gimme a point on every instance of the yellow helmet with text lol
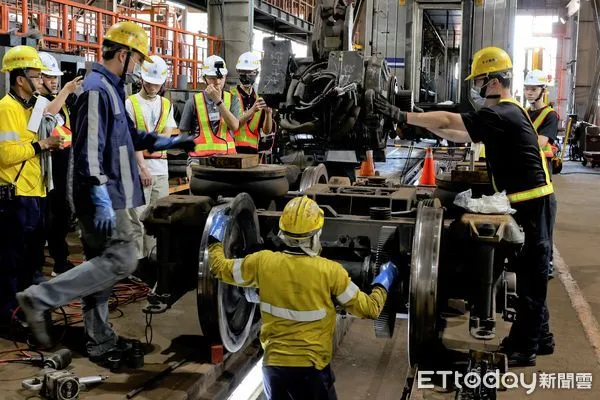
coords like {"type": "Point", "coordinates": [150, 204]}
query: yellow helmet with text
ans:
{"type": "Point", "coordinates": [490, 60]}
{"type": "Point", "coordinates": [301, 218]}
{"type": "Point", "coordinates": [22, 57]}
{"type": "Point", "coordinates": [130, 35]}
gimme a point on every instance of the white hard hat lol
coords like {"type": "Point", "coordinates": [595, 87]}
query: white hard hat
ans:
{"type": "Point", "coordinates": [50, 62]}
{"type": "Point", "coordinates": [211, 64]}
{"type": "Point", "coordinates": [155, 72]}
{"type": "Point", "coordinates": [536, 78]}
{"type": "Point", "coordinates": [248, 62]}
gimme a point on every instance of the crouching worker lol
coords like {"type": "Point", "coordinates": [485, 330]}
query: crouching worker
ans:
{"type": "Point", "coordinates": [297, 292]}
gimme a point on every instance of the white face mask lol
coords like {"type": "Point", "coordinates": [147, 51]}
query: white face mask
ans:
{"type": "Point", "coordinates": [476, 98]}
{"type": "Point", "coordinates": [311, 246]}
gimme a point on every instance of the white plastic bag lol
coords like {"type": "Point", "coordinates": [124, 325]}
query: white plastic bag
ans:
{"type": "Point", "coordinates": [496, 204]}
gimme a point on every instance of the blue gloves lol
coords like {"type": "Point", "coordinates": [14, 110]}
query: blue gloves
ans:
{"type": "Point", "coordinates": [105, 219]}
{"type": "Point", "coordinates": [387, 276]}
{"type": "Point", "coordinates": [219, 224]}
{"type": "Point", "coordinates": [183, 142]}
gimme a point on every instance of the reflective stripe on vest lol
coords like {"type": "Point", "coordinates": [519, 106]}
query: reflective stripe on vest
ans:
{"type": "Point", "coordinates": [537, 192]}
{"type": "Point", "coordinates": [141, 125]}
{"type": "Point", "coordinates": [207, 142]}
{"type": "Point", "coordinates": [248, 133]}
{"type": "Point", "coordinates": [547, 148]}
{"type": "Point", "coordinates": [293, 315]}
{"type": "Point", "coordinates": [64, 130]}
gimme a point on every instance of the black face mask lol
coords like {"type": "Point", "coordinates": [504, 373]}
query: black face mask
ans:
{"type": "Point", "coordinates": [247, 80]}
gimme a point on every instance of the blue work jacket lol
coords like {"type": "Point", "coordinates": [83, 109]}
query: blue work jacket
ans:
{"type": "Point", "coordinates": [104, 143]}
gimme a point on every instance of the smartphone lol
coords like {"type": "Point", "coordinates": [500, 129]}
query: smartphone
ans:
{"type": "Point", "coordinates": [81, 72]}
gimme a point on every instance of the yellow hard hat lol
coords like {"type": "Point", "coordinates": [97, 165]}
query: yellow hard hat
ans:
{"type": "Point", "coordinates": [131, 35]}
{"type": "Point", "coordinates": [22, 57]}
{"type": "Point", "coordinates": [489, 60]}
{"type": "Point", "coordinates": [302, 218]}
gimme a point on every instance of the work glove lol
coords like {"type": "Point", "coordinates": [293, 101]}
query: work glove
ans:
{"type": "Point", "coordinates": [383, 107]}
{"type": "Point", "coordinates": [387, 275]}
{"type": "Point", "coordinates": [105, 219]}
{"type": "Point", "coordinates": [218, 226]}
{"type": "Point", "coordinates": [183, 142]}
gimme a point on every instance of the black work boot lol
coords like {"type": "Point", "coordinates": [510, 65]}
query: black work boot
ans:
{"type": "Point", "coordinates": [521, 359]}
{"type": "Point", "coordinates": [114, 358]}
{"type": "Point", "coordinates": [545, 345]}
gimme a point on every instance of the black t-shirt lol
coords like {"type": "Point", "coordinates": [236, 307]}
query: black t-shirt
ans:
{"type": "Point", "coordinates": [549, 127]}
{"type": "Point", "coordinates": [511, 146]}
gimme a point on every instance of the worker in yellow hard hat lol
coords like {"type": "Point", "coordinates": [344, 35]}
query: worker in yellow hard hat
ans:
{"type": "Point", "coordinates": [106, 184]}
{"type": "Point", "coordinates": [22, 187]}
{"type": "Point", "coordinates": [516, 165]}
{"type": "Point", "coordinates": [297, 293]}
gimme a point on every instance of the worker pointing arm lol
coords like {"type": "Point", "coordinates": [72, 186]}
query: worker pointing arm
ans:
{"type": "Point", "coordinates": [297, 288]}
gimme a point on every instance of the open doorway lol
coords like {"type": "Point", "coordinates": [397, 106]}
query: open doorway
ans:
{"type": "Point", "coordinates": [438, 32]}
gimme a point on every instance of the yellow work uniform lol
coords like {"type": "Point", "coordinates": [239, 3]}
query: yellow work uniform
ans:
{"type": "Point", "coordinates": [16, 147]}
{"type": "Point", "coordinates": [297, 308]}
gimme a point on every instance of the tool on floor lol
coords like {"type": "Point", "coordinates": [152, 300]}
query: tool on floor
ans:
{"type": "Point", "coordinates": [53, 382]}
{"type": "Point", "coordinates": [155, 379]}
{"type": "Point", "coordinates": [60, 385]}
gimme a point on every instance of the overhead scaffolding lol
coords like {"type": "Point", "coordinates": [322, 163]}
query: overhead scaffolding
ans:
{"type": "Point", "coordinates": [71, 27]}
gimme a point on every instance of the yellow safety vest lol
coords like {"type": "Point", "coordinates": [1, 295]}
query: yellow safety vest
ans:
{"type": "Point", "coordinates": [537, 192]}
{"type": "Point", "coordinates": [547, 148]}
{"type": "Point", "coordinates": [207, 142]}
{"type": "Point", "coordinates": [64, 130]}
{"type": "Point", "coordinates": [141, 125]}
{"type": "Point", "coordinates": [247, 135]}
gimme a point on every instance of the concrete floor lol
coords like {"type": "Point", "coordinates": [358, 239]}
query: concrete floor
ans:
{"type": "Point", "coordinates": [366, 367]}
{"type": "Point", "coordinates": [370, 368]}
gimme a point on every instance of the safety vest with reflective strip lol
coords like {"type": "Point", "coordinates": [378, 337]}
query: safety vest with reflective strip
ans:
{"type": "Point", "coordinates": [64, 130]}
{"type": "Point", "coordinates": [207, 142]}
{"type": "Point", "coordinates": [247, 135]}
{"type": "Point", "coordinates": [141, 125]}
{"type": "Point", "coordinates": [547, 148]}
{"type": "Point", "coordinates": [537, 192]}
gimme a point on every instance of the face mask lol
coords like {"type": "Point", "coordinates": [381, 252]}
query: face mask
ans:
{"type": "Point", "coordinates": [311, 247]}
{"type": "Point", "coordinates": [247, 80]}
{"type": "Point", "coordinates": [476, 98]}
{"type": "Point", "coordinates": [131, 79]}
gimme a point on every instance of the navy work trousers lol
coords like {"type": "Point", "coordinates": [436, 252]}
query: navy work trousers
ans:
{"type": "Point", "coordinates": [298, 383]}
{"type": "Point", "coordinates": [532, 323]}
{"type": "Point", "coordinates": [21, 248]}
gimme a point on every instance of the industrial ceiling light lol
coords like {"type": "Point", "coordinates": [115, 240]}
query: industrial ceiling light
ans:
{"type": "Point", "coordinates": [572, 7]}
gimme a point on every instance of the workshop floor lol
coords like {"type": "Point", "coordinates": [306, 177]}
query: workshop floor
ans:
{"type": "Point", "coordinates": [366, 367]}
{"type": "Point", "coordinates": [370, 368]}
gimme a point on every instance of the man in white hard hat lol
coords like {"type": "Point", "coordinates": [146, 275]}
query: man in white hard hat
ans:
{"type": "Point", "coordinates": [544, 118]}
{"type": "Point", "coordinates": [151, 113]}
{"type": "Point", "coordinates": [212, 114]}
{"type": "Point", "coordinates": [256, 115]}
{"type": "Point", "coordinates": [58, 214]}
{"type": "Point", "coordinates": [545, 121]}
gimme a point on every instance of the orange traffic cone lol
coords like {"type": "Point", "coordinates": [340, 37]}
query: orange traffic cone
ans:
{"type": "Point", "coordinates": [367, 168]}
{"type": "Point", "coordinates": [428, 173]}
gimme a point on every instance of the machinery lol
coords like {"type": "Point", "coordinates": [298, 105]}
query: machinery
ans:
{"type": "Point", "coordinates": [325, 102]}
{"type": "Point", "coordinates": [442, 252]}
